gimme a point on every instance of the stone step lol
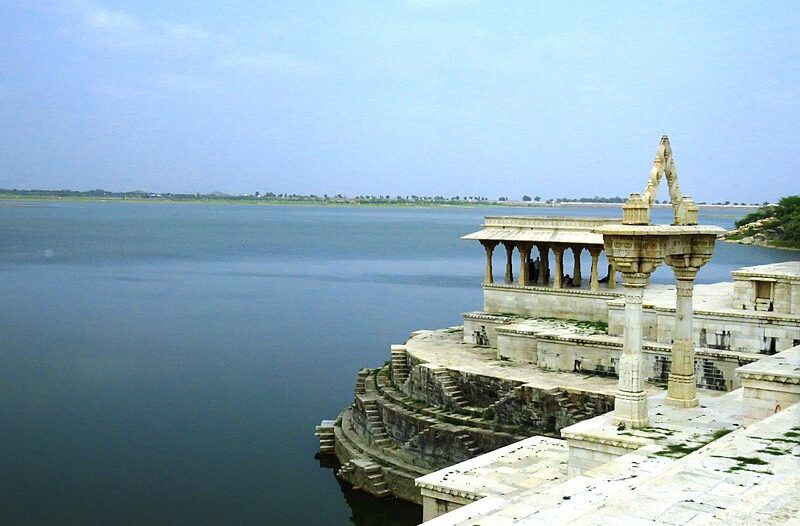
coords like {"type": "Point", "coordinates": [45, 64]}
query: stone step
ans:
{"type": "Point", "coordinates": [429, 415]}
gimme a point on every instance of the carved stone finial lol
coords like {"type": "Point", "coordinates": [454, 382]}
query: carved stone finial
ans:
{"type": "Point", "coordinates": [691, 212]}
{"type": "Point", "coordinates": [636, 211]}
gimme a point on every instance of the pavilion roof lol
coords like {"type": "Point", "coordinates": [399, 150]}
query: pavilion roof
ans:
{"type": "Point", "coordinates": [561, 230]}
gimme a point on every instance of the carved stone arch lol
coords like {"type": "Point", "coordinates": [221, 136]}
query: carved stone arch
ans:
{"type": "Point", "coordinates": [684, 209]}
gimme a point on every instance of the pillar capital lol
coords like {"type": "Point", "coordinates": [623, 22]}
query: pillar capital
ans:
{"type": "Point", "coordinates": [685, 266]}
{"type": "Point", "coordinates": [524, 246]}
{"type": "Point", "coordinates": [635, 280]}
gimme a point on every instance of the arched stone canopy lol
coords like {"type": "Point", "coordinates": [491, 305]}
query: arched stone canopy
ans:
{"type": "Point", "coordinates": [636, 248]}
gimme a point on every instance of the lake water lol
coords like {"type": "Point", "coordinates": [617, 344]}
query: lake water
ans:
{"type": "Point", "coordinates": [167, 363]}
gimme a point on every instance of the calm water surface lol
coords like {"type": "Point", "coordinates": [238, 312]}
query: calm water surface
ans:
{"type": "Point", "coordinates": [167, 363]}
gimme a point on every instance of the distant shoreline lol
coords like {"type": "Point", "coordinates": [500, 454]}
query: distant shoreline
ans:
{"type": "Point", "coordinates": [5, 198]}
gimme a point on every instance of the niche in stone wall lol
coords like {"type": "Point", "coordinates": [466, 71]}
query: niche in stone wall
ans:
{"type": "Point", "coordinates": [770, 345]}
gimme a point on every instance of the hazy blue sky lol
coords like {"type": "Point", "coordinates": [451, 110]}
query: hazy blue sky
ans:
{"type": "Point", "coordinates": [408, 97]}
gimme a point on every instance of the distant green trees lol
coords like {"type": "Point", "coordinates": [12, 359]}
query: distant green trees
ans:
{"type": "Point", "coordinates": [781, 220]}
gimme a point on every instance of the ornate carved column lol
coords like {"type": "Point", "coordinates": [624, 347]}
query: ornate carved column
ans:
{"type": "Point", "coordinates": [524, 255]}
{"type": "Point", "coordinates": [489, 247]}
{"type": "Point", "coordinates": [594, 282]}
{"type": "Point", "coordinates": [544, 264]}
{"type": "Point", "coordinates": [682, 383]}
{"type": "Point", "coordinates": [636, 255]}
{"type": "Point", "coordinates": [558, 253]}
{"type": "Point", "coordinates": [630, 402]}
{"type": "Point", "coordinates": [576, 265]}
{"type": "Point", "coordinates": [509, 277]}
{"type": "Point", "coordinates": [686, 253]}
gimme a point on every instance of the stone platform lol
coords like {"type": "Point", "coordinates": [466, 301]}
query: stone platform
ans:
{"type": "Point", "coordinates": [712, 464]}
{"type": "Point", "coordinates": [440, 401]}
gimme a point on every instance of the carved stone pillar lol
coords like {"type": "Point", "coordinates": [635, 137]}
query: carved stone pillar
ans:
{"type": "Point", "coordinates": [489, 247]}
{"type": "Point", "coordinates": [636, 255]}
{"type": "Point", "coordinates": [594, 282]}
{"type": "Point", "coordinates": [558, 253]}
{"type": "Point", "coordinates": [682, 383]}
{"type": "Point", "coordinates": [685, 254]}
{"type": "Point", "coordinates": [509, 277]}
{"type": "Point", "coordinates": [544, 264]}
{"type": "Point", "coordinates": [577, 278]}
{"type": "Point", "coordinates": [524, 255]}
{"type": "Point", "coordinates": [630, 402]}
{"type": "Point", "coordinates": [612, 276]}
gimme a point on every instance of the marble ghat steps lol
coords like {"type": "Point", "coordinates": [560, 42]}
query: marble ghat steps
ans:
{"type": "Point", "coordinates": [390, 394]}
{"type": "Point", "coordinates": [576, 413]}
{"type": "Point", "coordinates": [375, 425]}
{"type": "Point", "coordinates": [399, 364]}
{"type": "Point", "coordinates": [374, 481]}
{"type": "Point", "coordinates": [327, 438]}
{"type": "Point", "coordinates": [380, 393]}
{"type": "Point", "coordinates": [362, 458]}
{"type": "Point", "coordinates": [450, 387]}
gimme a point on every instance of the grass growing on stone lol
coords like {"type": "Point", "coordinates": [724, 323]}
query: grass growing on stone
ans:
{"type": "Point", "coordinates": [772, 450]}
{"type": "Point", "coordinates": [650, 432]}
{"type": "Point", "coordinates": [719, 433]}
{"type": "Point", "coordinates": [748, 461]}
{"type": "Point", "coordinates": [745, 463]}
{"type": "Point", "coordinates": [594, 326]}
{"type": "Point", "coordinates": [678, 450]}
{"type": "Point", "coordinates": [681, 450]}
{"type": "Point", "coordinates": [737, 467]}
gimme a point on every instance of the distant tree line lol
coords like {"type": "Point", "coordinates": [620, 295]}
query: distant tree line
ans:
{"type": "Point", "coordinates": [313, 198]}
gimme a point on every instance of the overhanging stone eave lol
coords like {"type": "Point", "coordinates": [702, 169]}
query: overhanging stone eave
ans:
{"type": "Point", "coordinates": [516, 235]}
{"type": "Point", "coordinates": [657, 230]}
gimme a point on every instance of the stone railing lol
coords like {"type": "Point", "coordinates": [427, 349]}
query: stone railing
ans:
{"type": "Point", "coordinates": [548, 223]}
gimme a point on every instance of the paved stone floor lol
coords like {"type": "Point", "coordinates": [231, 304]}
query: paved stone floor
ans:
{"type": "Point", "coordinates": [709, 297]}
{"type": "Point", "coordinates": [446, 348]}
{"type": "Point", "coordinates": [748, 476]}
{"type": "Point", "coordinates": [534, 462]}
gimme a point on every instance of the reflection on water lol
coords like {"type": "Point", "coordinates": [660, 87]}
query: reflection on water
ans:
{"type": "Point", "coordinates": [369, 511]}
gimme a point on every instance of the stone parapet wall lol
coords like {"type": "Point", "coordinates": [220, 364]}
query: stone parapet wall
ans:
{"type": "Point", "coordinates": [574, 304]}
{"type": "Point", "coordinates": [480, 328]}
{"type": "Point", "coordinates": [745, 331]}
{"type": "Point", "coordinates": [714, 369]}
{"type": "Point", "coordinates": [771, 385]}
